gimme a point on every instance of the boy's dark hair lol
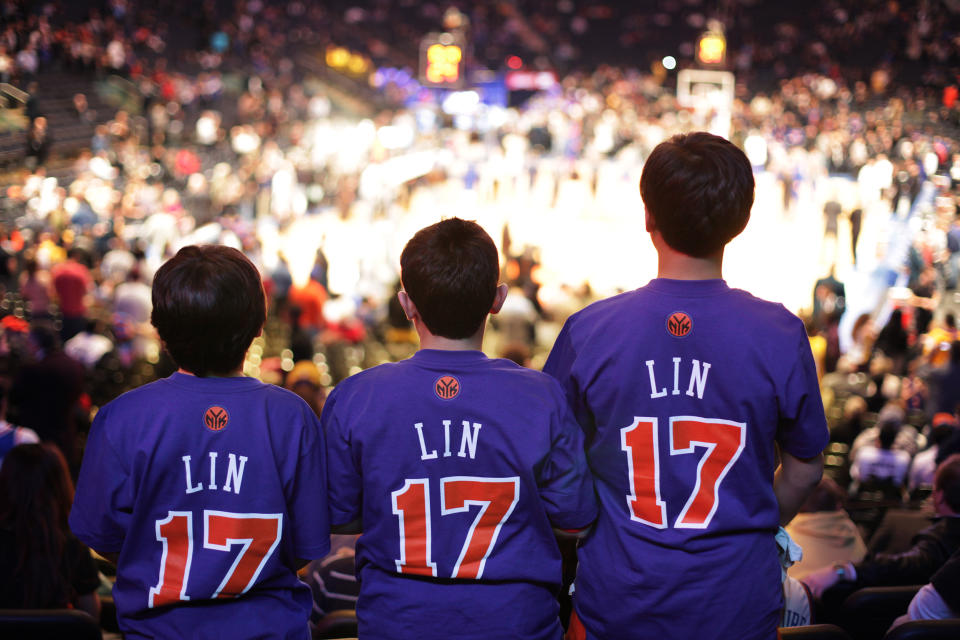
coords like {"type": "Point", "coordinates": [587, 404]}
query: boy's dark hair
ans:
{"type": "Point", "coordinates": [208, 306]}
{"type": "Point", "coordinates": [888, 434]}
{"type": "Point", "coordinates": [698, 188]}
{"type": "Point", "coordinates": [450, 270]}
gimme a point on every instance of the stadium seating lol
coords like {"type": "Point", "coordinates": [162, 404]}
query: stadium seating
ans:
{"type": "Point", "coordinates": [869, 612]}
{"type": "Point", "coordinates": [337, 624]}
{"type": "Point", "coordinates": [926, 630]}
{"type": "Point", "coordinates": [48, 624]}
{"type": "Point", "coordinates": [814, 632]}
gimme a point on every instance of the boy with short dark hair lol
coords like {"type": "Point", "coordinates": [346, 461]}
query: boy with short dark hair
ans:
{"type": "Point", "coordinates": [207, 488]}
{"type": "Point", "coordinates": [684, 389]}
{"type": "Point", "coordinates": [455, 465]}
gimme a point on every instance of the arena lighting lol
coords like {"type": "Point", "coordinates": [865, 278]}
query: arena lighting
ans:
{"type": "Point", "coordinates": [342, 59]}
{"type": "Point", "coordinates": [669, 63]}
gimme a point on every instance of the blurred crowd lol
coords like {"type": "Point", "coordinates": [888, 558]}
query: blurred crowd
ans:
{"type": "Point", "coordinates": [235, 140]}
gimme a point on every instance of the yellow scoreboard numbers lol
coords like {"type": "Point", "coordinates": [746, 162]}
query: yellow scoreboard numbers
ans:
{"type": "Point", "coordinates": [441, 61]}
{"type": "Point", "coordinates": [712, 48]}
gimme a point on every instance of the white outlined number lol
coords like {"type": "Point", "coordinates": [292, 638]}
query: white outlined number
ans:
{"type": "Point", "coordinates": [723, 440]}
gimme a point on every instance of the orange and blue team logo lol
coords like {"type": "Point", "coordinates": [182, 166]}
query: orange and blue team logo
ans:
{"type": "Point", "coordinates": [679, 324]}
{"type": "Point", "coordinates": [447, 387]}
{"type": "Point", "coordinates": [215, 418]}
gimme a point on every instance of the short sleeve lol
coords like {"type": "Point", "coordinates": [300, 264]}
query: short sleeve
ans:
{"type": "Point", "coordinates": [344, 480]}
{"type": "Point", "coordinates": [307, 493]}
{"type": "Point", "coordinates": [802, 430]}
{"type": "Point", "coordinates": [565, 483]}
{"type": "Point", "coordinates": [560, 366]}
{"type": "Point", "coordinates": [929, 604]}
{"type": "Point", "coordinates": [103, 502]}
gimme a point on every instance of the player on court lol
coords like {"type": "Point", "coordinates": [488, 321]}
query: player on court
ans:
{"type": "Point", "coordinates": [207, 488]}
{"type": "Point", "coordinates": [683, 388]}
{"type": "Point", "coordinates": [455, 465]}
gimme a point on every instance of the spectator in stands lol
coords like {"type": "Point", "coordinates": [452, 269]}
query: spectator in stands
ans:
{"type": "Point", "coordinates": [450, 272]}
{"type": "Point", "coordinates": [43, 564]}
{"type": "Point", "coordinates": [907, 439]}
{"type": "Point", "coordinates": [132, 298]}
{"type": "Point", "coordinates": [953, 248]}
{"type": "Point", "coordinates": [879, 462]}
{"type": "Point", "coordinates": [6, 65]}
{"type": "Point", "coordinates": [304, 380]}
{"type": "Point", "coordinates": [11, 435]}
{"type": "Point", "coordinates": [937, 341]}
{"type": "Point", "coordinates": [652, 555]}
{"type": "Point", "coordinates": [924, 464]}
{"type": "Point", "coordinates": [894, 342]}
{"type": "Point", "coordinates": [930, 550]}
{"type": "Point", "coordinates": [309, 298]}
{"type": "Point", "coordinates": [88, 346]}
{"type": "Point", "coordinates": [32, 105]}
{"type": "Point", "coordinates": [209, 306]}
{"type": "Point", "coordinates": [944, 384]}
{"type": "Point", "coordinates": [73, 284]}
{"type": "Point", "coordinates": [39, 142]}
{"type": "Point", "coordinates": [938, 599]}
{"type": "Point", "coordinates": [824, 531]}
{"type": "Point", "coordinates": [35, 287]}
{"type": "Point", "coordinates": [46, 393]}
{"type": "Point", "coordinates": [925, 299]}
{"type": "Point", "coordinates": [851, 423]}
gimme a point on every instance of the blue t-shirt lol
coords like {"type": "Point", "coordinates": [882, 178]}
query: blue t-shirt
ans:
{"type": "Point", "coordinates": [210, 489]}
{"type": "Point", "coordinates": [458, 466]}
{"type": "Point", "coordinates": [682, 388]}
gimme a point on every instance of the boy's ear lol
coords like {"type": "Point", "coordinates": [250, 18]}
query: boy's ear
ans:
{"type": "Point", "coordinates": [499, 298]}
{"type": "Point", "coordinates": [648, 219]}
{"type": "Point", "coordinates": [409, 309]}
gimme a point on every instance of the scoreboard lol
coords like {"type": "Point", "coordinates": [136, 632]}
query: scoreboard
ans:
{"type": "Point", "coordinates": [441, 61]}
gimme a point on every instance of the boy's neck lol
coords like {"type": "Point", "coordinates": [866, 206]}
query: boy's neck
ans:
{"type": "Point", "coordinates": [430, 341]}
{"type": "Point", "coordinates": [232, 374]}
{"type": "Point", "coordinates": [679, 266]}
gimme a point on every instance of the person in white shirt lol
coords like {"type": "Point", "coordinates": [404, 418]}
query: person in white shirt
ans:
{"type": "Point", "coordinates": [880, 461]}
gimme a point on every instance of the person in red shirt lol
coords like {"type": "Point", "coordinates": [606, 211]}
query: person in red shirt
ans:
{"type": "Point", "coordinates": [72, 283]}
{"type": "Point", "coordinates": [310, 299]}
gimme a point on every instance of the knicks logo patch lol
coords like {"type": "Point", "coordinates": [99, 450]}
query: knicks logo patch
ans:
{"type": "Point", "coordinates": [679, 324]}
{"type": "Point", "coordinates": [447, 387]}
{"type": "Point", "coordinates": [215, 418]}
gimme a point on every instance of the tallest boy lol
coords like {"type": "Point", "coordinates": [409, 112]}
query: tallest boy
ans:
{"type": "Point", "coordinates": [685, 389]}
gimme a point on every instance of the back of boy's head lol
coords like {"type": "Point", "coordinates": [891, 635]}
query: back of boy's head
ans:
{"type": "Point", "coordinates": [208, 306]}
{"type": "Point", "coordinates": [450, 270]}
{"type": "Point", "coordinates": [698, 188]}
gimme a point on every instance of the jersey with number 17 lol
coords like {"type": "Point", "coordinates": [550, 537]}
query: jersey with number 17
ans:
{"type": "Point", "coordinates": [458, 466]}
{"type": "Point", "coordinates": [211, 490]}
{"type": "Point", "coordinates": [683, 388]}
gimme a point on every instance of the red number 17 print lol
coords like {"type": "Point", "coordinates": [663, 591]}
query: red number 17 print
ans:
{"type": "Point", "coordinates": [494, 498]}
{"type": "Point", "coordinates": [255, 534]}
{"type": "Point", "coordinates": [723, 441]}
